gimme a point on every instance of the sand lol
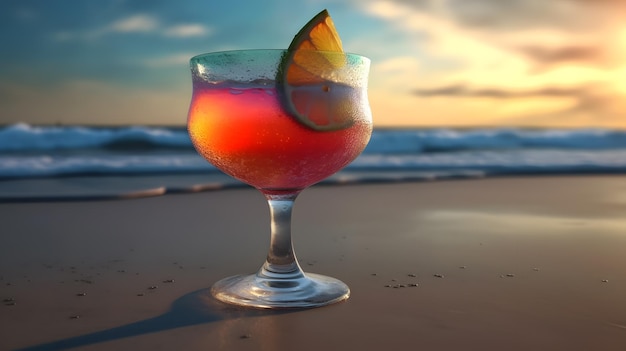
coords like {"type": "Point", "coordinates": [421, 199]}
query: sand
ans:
{"type": "Point", "coordinates": [501, 264]}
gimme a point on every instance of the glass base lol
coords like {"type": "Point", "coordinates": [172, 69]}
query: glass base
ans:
{"type": "Point", "coordinates": [302, 291]}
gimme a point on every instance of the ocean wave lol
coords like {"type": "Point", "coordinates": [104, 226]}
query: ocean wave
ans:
{"type": "Point", "coordinates": [487, 162]}
{"type": "Point", "coordinates": [447, 140]}
{"type": "Point", "coordinates": [501, 162]}
{"type": "Point", "coordinates": [24, 137]}
{"type": "Point", "coordinates": [115, 164]}
{"type": "Point", "coordinates": [36, 151]}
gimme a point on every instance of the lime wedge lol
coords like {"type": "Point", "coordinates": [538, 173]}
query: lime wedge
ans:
{"type": "Point", "coordinates": [308, 81]}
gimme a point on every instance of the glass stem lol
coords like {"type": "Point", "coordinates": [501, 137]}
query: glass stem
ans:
{"type": "Point", "coordinates": [281, 262]}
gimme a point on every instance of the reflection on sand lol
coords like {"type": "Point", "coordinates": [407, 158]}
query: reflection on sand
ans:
{"type": "Point", "coordinates": [501, 222]}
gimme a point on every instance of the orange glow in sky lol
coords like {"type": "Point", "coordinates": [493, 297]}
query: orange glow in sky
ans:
{"type": "Point", "coordinates": [435, 63]}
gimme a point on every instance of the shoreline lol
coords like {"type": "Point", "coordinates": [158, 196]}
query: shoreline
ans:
{"type": "Point", "coordinates": [121, 187]}
{"type": "Point", "coordinates": [134, 186]}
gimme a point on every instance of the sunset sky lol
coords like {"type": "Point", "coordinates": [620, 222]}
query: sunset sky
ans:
{"type": "Point", "coordinates": [451, 63]}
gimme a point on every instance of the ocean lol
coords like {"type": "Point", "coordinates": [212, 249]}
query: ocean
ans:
{"type": "Point", "coordinates": [35, 152]}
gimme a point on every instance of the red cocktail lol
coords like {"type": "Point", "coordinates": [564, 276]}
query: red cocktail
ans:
{"type": "Point", "coordinates": [280, 132]}
{"type": "Point", "coordinates": [246, 133]}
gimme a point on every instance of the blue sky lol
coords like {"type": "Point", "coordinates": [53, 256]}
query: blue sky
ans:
{"type": "Point", "coordinates": [435, 62]}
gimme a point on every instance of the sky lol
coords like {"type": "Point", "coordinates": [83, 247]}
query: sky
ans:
{"type": "Point", "coordinates": [435, 63]}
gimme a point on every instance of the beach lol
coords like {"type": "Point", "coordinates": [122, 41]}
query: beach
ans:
{"type": "Point", "coordinates": [503, 263]}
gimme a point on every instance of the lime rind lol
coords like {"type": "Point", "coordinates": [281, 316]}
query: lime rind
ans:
{"type": "Point", "coordinates": [309, 75]}
{"type": "Point", "coordinates": [319, 18]}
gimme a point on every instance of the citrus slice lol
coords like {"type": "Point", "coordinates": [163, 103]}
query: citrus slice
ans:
{"type": "Point", "coordinates": [307, 77]}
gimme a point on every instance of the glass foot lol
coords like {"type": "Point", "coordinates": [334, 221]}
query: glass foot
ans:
{"type": "Point", "coordinates": [302, 291]}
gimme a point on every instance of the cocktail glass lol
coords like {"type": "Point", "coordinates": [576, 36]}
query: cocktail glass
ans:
{"type": "Point", "coordinates": [241, 120]}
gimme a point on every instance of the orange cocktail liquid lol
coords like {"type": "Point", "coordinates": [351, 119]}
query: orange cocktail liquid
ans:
{"type": "Point", "coordinates": [247, 134]}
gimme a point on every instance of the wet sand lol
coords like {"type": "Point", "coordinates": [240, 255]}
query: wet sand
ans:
{"type": "Point", "coordinates": [500, 264]}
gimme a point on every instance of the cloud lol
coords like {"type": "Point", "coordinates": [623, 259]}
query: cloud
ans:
{"type": "Point", "coordinates": [590, 104]}
{"type": "Point", "coordinates": [26, 14]}
{"type": "Point", "coordinates": [522, 62]}
{"type": "Point", "coordinates": [140, 23]}
{"type": "Point", "coordinates": [450, 52]}
{"type": "Point", "coordinates": [546, 56]}
{"type": "Point", "coordinates": [511, 14]}
{"type": "Point", "coordinates": [461, 90]}
{"type": "Point", "coordinates": [555, 55]}
{"type": "Point", "coordinates": [521, 14]}
{"type": "Point", "coordinates": [137, 23]}
{"type": "Point", "coordinates": [187, 30]}
{"type": "Point", "coordinates": [544, 33]}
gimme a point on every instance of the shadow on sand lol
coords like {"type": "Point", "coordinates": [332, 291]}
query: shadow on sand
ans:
{"type": "Point", "coordinates": [197, 307]}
